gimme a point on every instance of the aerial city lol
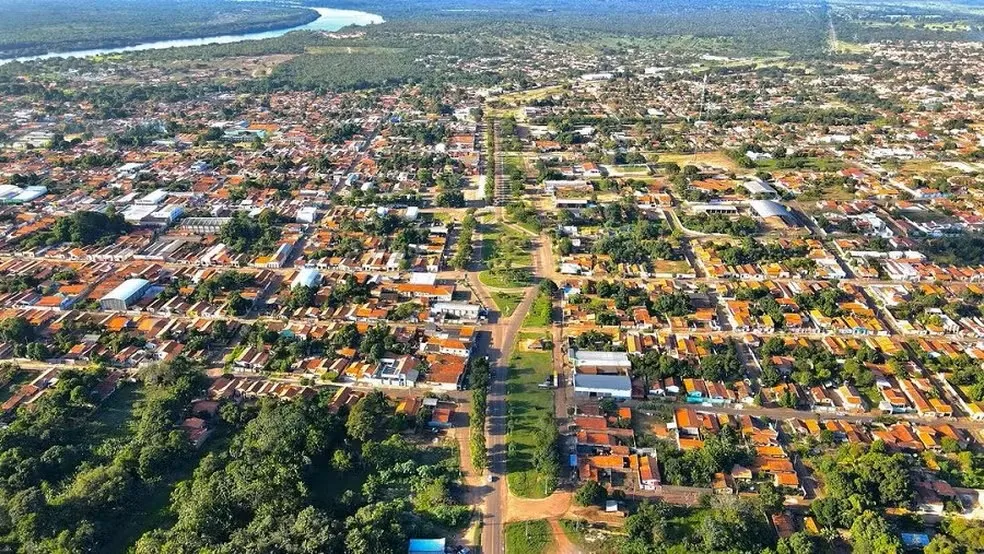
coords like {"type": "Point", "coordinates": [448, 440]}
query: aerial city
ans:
{"type": "Point", "coordinates": [491, 276]}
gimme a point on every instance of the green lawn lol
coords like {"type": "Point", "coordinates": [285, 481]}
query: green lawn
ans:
{"type": "Point", "coordinates": [528, 537]}
{"type": "Point", "coordinates": [685, 525]}
{"type": "Point", "coordinates": [114, 415]}
{"type": "Point", "coordinates": [928, 216]}
{"type": "Point", "coordinates": [539, 315]}
{"type": "Point", "coordinates": [513, 162]}
{"type": "Point", "coordinates": [503, 242]}
{"type": "Point", "coordinates": [819, 164]}
{"type": "Point", "coordinates": [443, 217]}
{"type": "Point", "coordinates": [633, 170]}
{"type": "Point", "coordinates": [506, 302]}
{"type": "Point", "coordinates": [511, 279]}
{"type": "Point", "coordinates": [529, 227]}
{"type": "Point", "coordinates": [524, 404]}
{"type": "Point", "coordinates": [474, 534]}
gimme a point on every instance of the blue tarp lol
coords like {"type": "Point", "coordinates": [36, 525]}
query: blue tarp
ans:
{"type": "Point", "coordinates": [573, 460]}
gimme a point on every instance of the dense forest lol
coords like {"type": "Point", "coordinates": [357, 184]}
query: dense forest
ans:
{"type": "Point", "coordinates": [275, 477]}
{"type": "Point", "coordinates": [40, 26]}
{"type": "Point", "coordinates": [298, 479]}
{"type": "Point", "coordinates": [874, 21]}
{"type": "Point", "coordinates": [763, 26]}
{"type": "Point", "coordinates": [427, 42]}
{"type": "Point", "coordinates": [395, 51]}
{"type": "Point", "coordinates": [756, 26]}
{"type": "Point", "coordinates": [70, 476]}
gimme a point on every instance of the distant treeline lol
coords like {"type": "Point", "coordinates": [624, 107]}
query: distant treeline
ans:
{"type": "Point", "coordinates": [41, 26]}
{"type": "Point", "coordinates": [920, 25]}
{"type": "Point", "coordinates": [757, 26]}
{"type": "Point", "coordinates": [423, 42]}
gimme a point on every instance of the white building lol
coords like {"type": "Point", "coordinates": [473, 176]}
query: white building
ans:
{"type": "Point", "coordinates": [603, 386]}
{"type": "Point", "coordinates": [124, 295]}
{"type": "Point", "coordinates": [153, 198]}
{"type": "Point", "coordinates": [589, 358]}
{"type": "Point", "coordinates": [597, 76]}
{"type": "Point", "coordinates": [460, 310]}
{"type": "Point", "coordinates": [608, 377]}
{"type": "Point", "coordinates": [307, 214]}
{"type": "Point", "coordinates": [306, 277]}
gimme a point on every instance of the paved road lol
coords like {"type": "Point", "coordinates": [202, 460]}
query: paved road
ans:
{"type": "Point", "coordinates": [498, 351]}
{"type": "Point", "coordinates": [564, 393]}
{"type": "Point", "coordinates": [499, 354]}
{"type": "Point", "coordinates": [503, 339]}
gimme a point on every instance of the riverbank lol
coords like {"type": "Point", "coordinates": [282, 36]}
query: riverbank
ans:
{"type": "Point", "coordinates": [314, 19]}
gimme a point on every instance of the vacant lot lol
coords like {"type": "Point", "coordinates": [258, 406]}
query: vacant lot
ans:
{"type": "Point", "coordinates": [713, 159]}
{"type": "Point", "coordinates": [528, 537]}
{"type": "Point", "coordinates": [114, 415]}
{"type": "Point", "coordinates": [527, 96]}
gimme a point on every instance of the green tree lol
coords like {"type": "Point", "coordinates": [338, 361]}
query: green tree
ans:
{"type": "Point", "coordinates": [770, 498]}
{"type": "Point", "coordinates": [942, 544]}
{"type": "Point", "coordinates": [377, 529]}
{"type": "Point", "coordinates": [798, 543]}
{"type": "Point", "coordinates": [16, 330]}
{"type": "Point", "coordinates": [251, 235]}
{"type": "Point", "coordinates": [341, 461]}
{"type": "Point", "coordinates": [366, 416]}
{"type": "Point", "coordinates": [733, 524]}
{"type": "Point", "coordinates": [870, 534]}
{"type": "Point", "coordinates": [478, 449]}
{"type": "Point", "coordinates": [833, 512]}
{"type": "Point", "coordinates": [648, 526]}
{"type": "Point", "coordinates": [590, 493]}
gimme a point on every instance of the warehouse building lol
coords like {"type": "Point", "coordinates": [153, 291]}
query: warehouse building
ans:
{"type": "Point", "coordinates": [204, 225]}
{"type": "Point", "coordinates": [125, 295]}
{"type": "Point", "coordinates": [601, 374]}
{"type": "Point", "coordinates": [769, 210]}
{"type": "Point", "coordinates": [307, 277]}
{"type": "Point", "coordinates": [618, 387]}
{"type": "Point", "coordinates": [714, 208]}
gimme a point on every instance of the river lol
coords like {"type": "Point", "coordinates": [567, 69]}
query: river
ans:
{"type": "Point", "coordinates": [330, 20]}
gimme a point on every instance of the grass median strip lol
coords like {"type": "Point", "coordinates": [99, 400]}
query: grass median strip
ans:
{"type": "Point", "coordinates": [527, 405]}
{"type": "Point", "coordinates": [539, 314]}
{"type": "Point", "coordinates": [506, 302]}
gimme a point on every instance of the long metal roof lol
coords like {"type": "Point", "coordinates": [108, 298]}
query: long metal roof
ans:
{"type": "Point", "coordinates": [126, 289]}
